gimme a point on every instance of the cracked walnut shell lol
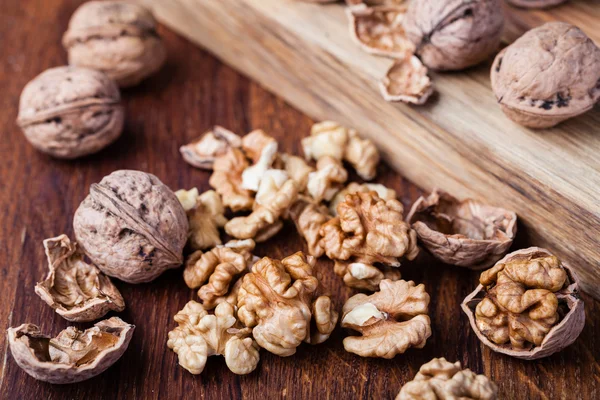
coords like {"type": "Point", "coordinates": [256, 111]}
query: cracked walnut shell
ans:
{"type": "Point", "coordinates": [278, 300]}
{"type": "Point", "coordinates": [548, 75]}
{"type": "Point", "coordinates": [407, 81]}
{"type": "Point", "coordinates": [69, 112]}
{"type": "Point", "coordinates": [527, 305]}
{"type": "Point", "coordinates": [202, 152]}
{"type": "Point", "coordinates": [463, 233]}
{"type": "Point", "coordinates": [440, 379]}
{"type": "Point", "coordinates": [73, 355]}
{"type": "Point", "coordinates": [118, 38]}
{"type": "Point", "coordinates": [131, 226]}
{"type": "Point", "coordinates": [455, 34]}
{"type": "Point", "coordinates": [76, 290]}
{"type": "Point", "coordinates": [201, 335]}
{"type": "Point", "coordinates": [389, 321]}
{"type": "Point", "coordinates": [205, 214]}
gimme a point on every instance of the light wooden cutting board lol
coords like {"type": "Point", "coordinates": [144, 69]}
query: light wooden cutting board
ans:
{"type": "Point", "coordinates": [460, 141]}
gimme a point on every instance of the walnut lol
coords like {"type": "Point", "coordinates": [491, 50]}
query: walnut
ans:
{"type": "Point", "coordinates": [440, 379]}
{"type": "Point", "coordinates": [463, 233]}
{"type": "Point", "coordinates": [407, 81]}
{"type": "Point", "coordinates": [205, 217]}
{"type": "Point", "coordinates": [327, 180]}
{"type": "Point", "coordinates": [76, 290]}
{"type": "Point", "coordinates": [527, 305]}
{"type": "Point", "coordinates": [390, 321]}
{"type": "Point", "coordinates": [548, 75]}
{"type": "Point", "coordinates": [264, 221]}
{"type": "Point", "coordinates": [535, 3]}
{"type": "Point", "coordinates": [201, 335]}
{"type": "Point", "coordinates": [362, 154]}
{"type": "Point", "coordinates": [262, 150]}
{"type": "Point", "coordinates": [455, 34]}
{"type": "Point", "coordinates": [214, 271]}
{"type": "Point", "coordinates": [309, 217]}
{"type": "Point", "coordinates": [378, 30]}
{"type": "Point", "coordinates": [278, 300]}
{"type": "Point", "coordinates": [226, 179]}
{"type": "Point", "coordinates": [73, 355]}
{"type": "Point", "coordinates": [363, 276]}
{"type": "Point", "coordinates": [69, 112]}
{"type": "Point", "coordinates": [297, 169]}
{"type": "Point", "coordinates": [382, 191]}
{"type": "Point", "coordinates": [202, 152]}
{"type": "Point", "coordinates": [116, 37]}
{"type": "Point", "coordinates": [131, 226]}
{"type": "Point", "coordinates": [362, 3]}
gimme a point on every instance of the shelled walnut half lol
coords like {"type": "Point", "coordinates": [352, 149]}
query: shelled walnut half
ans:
{"type": "Point", "coordinates": [76, 290]}
{"type": "Point", "coordinates": [440, 379]}
{"type": "Point", "coordinates": [382, 191]}
{"type": "Point", "coordinates": [226, 179]}
{"type": "Point", "coordinates": [202, 152]}
{"type": "Point", "coordinates": [463, 233]}
{"type": "Point", "coordinates": [389, 321]}
{"type": "Point", "coordinates": [73, 355]}
{"type": "Point", "coordinates": [205, 216]}
{"type": "Point", "coordinates": [327, 180]}
{"type": "Point", "coordinates": [201, 335]}
{"type": "Point", "coordinates": [527, 305]}
{"type": "Point", "coordinates": [309, 216]}
{"type": "Point", "coordinates": [278, 300]}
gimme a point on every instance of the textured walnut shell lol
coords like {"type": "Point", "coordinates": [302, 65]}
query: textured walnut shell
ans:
{"type": "Point", "coordinates": [132, 226]}
{"type": "Point", "coordinates": [560, 336]}
{"type": "Point", "coordinates": [454, 34]}
{"type": "Point", "coordinates": [72, 356]}
{"type": "Point", "coordinates": [115, 37]}
{"type": "Point", "coordinates": [535, 3]}
{"type": "Point", "coordinates": [69, 112]}
{"type": "Point", "coordinates": [463, 233]}
{"type": "Point", "coordinates": [408, 81]}
{"type": "Point", "coordinates": [548, 75]}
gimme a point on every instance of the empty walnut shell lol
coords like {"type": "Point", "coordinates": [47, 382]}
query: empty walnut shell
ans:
{"type": "Point", "coordinates": [571, 312]}
{"type": "Point", "coordinates": [69, 112]}
{"type": "Point", "coordinates": [454, 34]}
{"type": "Point", "coordinates": [463, 233]}
{"type": "Point", "coordinates": [72, 356]}
{"type": "Point", "coordinates": [132, 226]}
{"type": "Point", "coordinates": [548, 75]}
{"type": "Point", "coordinates": [116, 37]}
{"type": "Point", "coordinates": [535, 3]}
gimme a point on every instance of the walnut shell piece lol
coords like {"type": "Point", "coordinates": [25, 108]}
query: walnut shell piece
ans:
{"type": "Point", "coordinates": [201, 335]}
{"type": "Point", "coordinates": [118, 38]}
{"type": "Point", "coordinates": [456, 34]}
{"type": "Point", "coordinates": [527, 306]}
{"type": "Point", "coordinates": [440, 379]}
{"type": "Point", "coordinates": [202, 152]}
{"type": "Point", "coordinates": [463, 233]}
{"type": "Point", "coordinates": [73, 355]}
{"type": "Point", "coordinates": [389, 321]}
{"type": "Point", "coordinates": [408, 81]}
{"type": "Point", "coordinates": [76, 290]}
{"type": "Point", "coordinates": [70, 112]}
{"type": "Point", "coordinates": [131, 226]}
{"type": "Point", "coordinates": [548, 75]}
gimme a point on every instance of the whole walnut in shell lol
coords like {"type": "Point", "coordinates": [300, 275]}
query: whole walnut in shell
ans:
{"type": "Point", "coordinates": [73, 355]}
{"type": "Point", "coordinates": [69, 112]}
{"type": "Point", "coordinates": [548, 75]}
{"type": "Point", "coordinates": [527, 305]}
{"type": "Point", "coordinates": [463, 233]}
{"type": "Point", "coordinates": [132, 226]}
{"type": "Point", "coordinates": [455, 34]}
{"type": "Point", "coordinates": [118, 38]}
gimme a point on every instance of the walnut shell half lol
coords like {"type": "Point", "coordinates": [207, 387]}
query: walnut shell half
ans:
{"type": "Point", "coordinates": [73, 355]}
{"type": "Point", "coordinates": [463, 233]}
{"type": "Point", "coordinates": [132, 226]}
{"type": "Point", "coordinates": [69, 112]}
{"type": "Point", "coordinates": [548, 75]}
{"type": "Point", "coordinates": [555, 332]}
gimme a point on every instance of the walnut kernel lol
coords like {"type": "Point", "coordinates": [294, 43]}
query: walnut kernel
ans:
{"type": "Point", "coordinates": [205, 216]}
{"type": "Point", "coordinates": [383, 192]}
{"type": "Point", "coordinates": [202, 152]}
{"type": "Point", "coordinates": [327, 180]}
{"type": "Point", "coordinates": [226, 179]}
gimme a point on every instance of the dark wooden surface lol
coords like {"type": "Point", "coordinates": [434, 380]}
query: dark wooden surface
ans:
{"type": "Point", "coordinates": [38, 196]}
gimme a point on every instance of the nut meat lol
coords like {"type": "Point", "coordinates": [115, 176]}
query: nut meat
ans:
{"type": "Point", "coordinates": [202, 152]}
{"type": "Point", "coordinates": [327, 180]}
{"type": "Point", "coordinates": [131, 226]}
{"type": "Point", "coordinates": [407, 81]}
{"type": "Point", "coordinates": [205, 217]}
{"type": "Point", "coordinates": [309, 217]}
{"type": "Point", "coordinates": [383, 192]}
{"type": "Point", "coordinates": [78, 291]}
{"type": "Point", "coordinates": [226, 179]}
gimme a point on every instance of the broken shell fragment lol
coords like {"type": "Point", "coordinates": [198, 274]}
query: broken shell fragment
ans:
{"type": "Point", "coordinates": [407, 81]}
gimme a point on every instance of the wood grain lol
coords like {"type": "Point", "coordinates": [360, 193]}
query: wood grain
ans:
{"type": "Point", "coordinates": [460, 141]}
{"type": "Point", "coordinates": [193, 92]}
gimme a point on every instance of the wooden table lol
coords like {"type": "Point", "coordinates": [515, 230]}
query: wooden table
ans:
{"type": "Point", "coordinates": [38, 196]}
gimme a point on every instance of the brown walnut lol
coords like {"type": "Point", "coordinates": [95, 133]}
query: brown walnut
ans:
{"type": "Point", "coordinates": [455, 34]}
{"type": "Point", "coordinates": [132, 226]}
{"type": "Point", "coordinates": [527, 305]}
{"type": "Point", "coordinates": [118, 38]}
{"type": "Point", "coordinates": [463, 233]}
{"type": "Point", "coordinates": [69, 112]}
{"type": "Point", "coordinates": [73, 355]}
{"type": "Point", "coordinates": [548, 75]}
{"type": "Point", "coordinates": [408, 81]}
